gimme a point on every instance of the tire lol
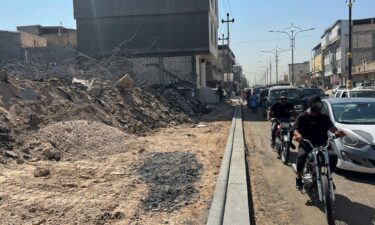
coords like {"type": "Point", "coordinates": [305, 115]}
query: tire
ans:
{"type": "Point", "coordinates": [285, 153]}
{"type": "Point", "coordinates": [328, 202]}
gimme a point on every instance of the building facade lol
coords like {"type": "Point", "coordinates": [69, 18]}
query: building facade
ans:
{"type": "Point", "coordinates": [335, 47]}
{"type": "Point", "coordinates": [302, 73]}
{"type": "Point", "coordinates": [55, 35]}
{"type": "Point", "coordinates": [147, 29]}
{"type": "Point", "coordinates": [317, 72]}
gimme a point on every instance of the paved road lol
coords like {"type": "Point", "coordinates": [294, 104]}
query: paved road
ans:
{"type": "Point", "coordinates": [355, 198]}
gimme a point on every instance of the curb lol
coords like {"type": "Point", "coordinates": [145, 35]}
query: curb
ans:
{"type": "Point", "coordinates": [230, 202]}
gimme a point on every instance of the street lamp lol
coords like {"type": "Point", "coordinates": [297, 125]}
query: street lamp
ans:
{"type": "Point", "coordinates": [350, 53]}
{"type": "Point", "coordinates": [269, 69]}
{"type": "Point", "coordinates": [276, 52]}
{"type": "Point", "coordinates": [292, 33]}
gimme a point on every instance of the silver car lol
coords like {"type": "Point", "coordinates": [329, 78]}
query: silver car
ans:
{"type": "Point", "coordinates": [355, 116]}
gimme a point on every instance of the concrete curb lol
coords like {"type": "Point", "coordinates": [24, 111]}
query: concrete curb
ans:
{"type": "Point", "coordinates": [230, 202]}
{"type": "Point", "coordinates": [216, 213]}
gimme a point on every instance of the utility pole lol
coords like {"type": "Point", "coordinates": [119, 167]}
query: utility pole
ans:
{"type": "Point", "coordinates": [350, 53]}
{"type": "Point", "coordinates": [276, 52]}
{"type": "Point", "coordinates": [292, 33]}
{"type": "Point", "coordinates": [228, 21]}
{"type": "Point", "coordinates": [223, 39]}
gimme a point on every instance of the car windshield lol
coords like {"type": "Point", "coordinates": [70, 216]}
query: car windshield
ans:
{"type": "Point", "coordinates": [291, 93]}
{"type": "Point", "coordinates": [362, 94]}
{"type": "Point", "coordinates": [311, 92]}
{"type": "Point", "coordinates": [354, 112]}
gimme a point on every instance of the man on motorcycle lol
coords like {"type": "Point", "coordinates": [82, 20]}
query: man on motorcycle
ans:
{"type": "Point", "coordinates": [281, 110]}
{"type": "Point", "coordinates": [313, 125]}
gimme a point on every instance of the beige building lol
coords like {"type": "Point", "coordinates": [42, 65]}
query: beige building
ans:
{"type": "Point", "coordinates": [55, 35]}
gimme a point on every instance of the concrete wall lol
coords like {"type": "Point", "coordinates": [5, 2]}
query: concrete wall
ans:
{"type": "Point", "coordinates": [145, 26]}
{"type": "Point", "coordinates": [32, 41]}
{"type": "Point", "coordinates": [164, 70]}
{"type": "Point", "coordinates": [10, 46]}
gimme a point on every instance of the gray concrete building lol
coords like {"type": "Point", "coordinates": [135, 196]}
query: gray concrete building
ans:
{"type": "Point", "coordinates": [180, 31]}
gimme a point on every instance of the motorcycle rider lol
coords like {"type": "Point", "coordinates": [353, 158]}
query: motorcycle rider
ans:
{"type": "Point", "coordinates": [280, 110]}
{"type": "Point", "coordinates": [313, 125]}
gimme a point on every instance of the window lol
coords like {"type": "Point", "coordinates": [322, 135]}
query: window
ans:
{"type": "Point", "coordinates": [325, 109]}
{"type": "Point", "coordinates": [338, 94]}
{"type": "Point", "coordinates": [344, 95]}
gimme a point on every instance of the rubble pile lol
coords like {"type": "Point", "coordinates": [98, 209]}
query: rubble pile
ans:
{"type": "Point", "coordinates": [171, 178]}
{"type": "Point", "coordinates": [40, 118]}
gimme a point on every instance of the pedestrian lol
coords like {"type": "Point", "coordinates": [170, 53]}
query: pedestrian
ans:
{"type": "Point", "coordinates": [220, 92]}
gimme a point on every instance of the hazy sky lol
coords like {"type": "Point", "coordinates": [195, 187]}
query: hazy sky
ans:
{"type": "Point", "coordinates": [250, 36]}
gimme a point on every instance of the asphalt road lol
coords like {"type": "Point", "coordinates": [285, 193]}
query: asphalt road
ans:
{"type": "Point", "coordinates": [355, 193]}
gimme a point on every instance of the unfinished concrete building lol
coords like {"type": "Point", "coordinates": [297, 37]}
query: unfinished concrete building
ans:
{"type": "Point", "coordinates": [172, 40]}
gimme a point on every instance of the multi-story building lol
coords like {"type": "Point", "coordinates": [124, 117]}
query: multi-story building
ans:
{"type": "Point", "coordinates": [183, 32]}
{"type": "Point", "coordinates": [335, 47]}
{"type": "Point", "coordinates": [301, 73]}
{"type": "Point", "coordinates": [317, 74]}
{"type": "Point", "coordinates": [55, 35]}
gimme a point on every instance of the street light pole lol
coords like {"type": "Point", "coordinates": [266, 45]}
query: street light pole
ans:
{"type": "Point", "coordinates": [269, 71]}
{"type": "Point", "coordinates": [276, 52]}
{"type": "Point", "coordinates": [350, 53]}
{"type": "Point", "coordinates": [292, 33]}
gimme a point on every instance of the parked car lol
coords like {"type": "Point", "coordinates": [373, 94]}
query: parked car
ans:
{"type": "Point", "coordinates": [336, 88]}
{"type": "Point", "coordinates": [365, 86]}
{"type": "Point", "coordinates": [293, 96]}
{"type": "Point", "coordinates": [355, 116]}
{"type": "Point", "coordinates": [307, 93]}
{"type": "Point", "coordinates": [355, 93]}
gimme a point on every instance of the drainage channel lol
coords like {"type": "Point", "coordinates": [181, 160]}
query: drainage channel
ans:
{"type": "Point", "coordinates": [230, 204]}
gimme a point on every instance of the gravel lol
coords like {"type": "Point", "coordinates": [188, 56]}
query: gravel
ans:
{"type": "Point", "coordinates": [171, 178]}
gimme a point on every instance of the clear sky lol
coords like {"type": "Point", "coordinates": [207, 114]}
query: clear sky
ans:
{"type": "Point", "coordinates": [250, 36]}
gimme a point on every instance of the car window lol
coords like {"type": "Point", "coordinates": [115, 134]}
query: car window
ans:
{"type": "Point", "coordinates": [325, 109]}
{"type": "Point", "coordinates": [291, 93]}
{"type": "Point", "coordinates": [344, 94]}
{"type": "Point", "coordinates": [338, 94]}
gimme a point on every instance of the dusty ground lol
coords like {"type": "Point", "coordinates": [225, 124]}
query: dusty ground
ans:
{"type": "Point", "coordinates": [101, 179]}
{"type": "Point", "coordinates": [276, 201]}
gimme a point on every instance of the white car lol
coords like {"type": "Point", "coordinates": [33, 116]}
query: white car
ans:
{"type": "Point", "coordinates": [355, 93]}
{"type": "Point", "coordinates": [356, 117]}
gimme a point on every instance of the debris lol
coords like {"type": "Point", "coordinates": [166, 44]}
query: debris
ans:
{"type": "Point", "coordinates": [35, 120]}
{"type": "Point", "coordinates": [85, 84]}
{"type": "Point", "coordinates": [41, 172]}
{"type": "Point", "coordinates": [11, 154]}
{"type": "Point", "coordinates": [52, 154]}
{"type": "Point", "coordinates": [126, 82]}
{"type": "Point", "coordinates": [3, 76]}
{"type": "Point", "coordinates": [27, 94]}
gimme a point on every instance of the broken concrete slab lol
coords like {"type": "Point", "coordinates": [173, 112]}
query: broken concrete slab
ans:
{"type": "Point", "coordinates": [126, 82]}
{"type": "Point", "coordinates": [27, 94]}
{"type": "Point", "coordinates": [11, 154]}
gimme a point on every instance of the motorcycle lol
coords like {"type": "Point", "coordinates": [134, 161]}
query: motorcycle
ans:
{"type": "Point", "coordinates": [283, 139]}
{"type": "Point", "coordinates": [317, 177]}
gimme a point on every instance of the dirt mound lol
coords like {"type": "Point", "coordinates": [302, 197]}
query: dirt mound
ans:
{"type": "Point", "coordinates": [27, 106]}
{"type": "Point", "coordinates": [76, 140]}
{"type": "Point", "coordinates": [171, 178]}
